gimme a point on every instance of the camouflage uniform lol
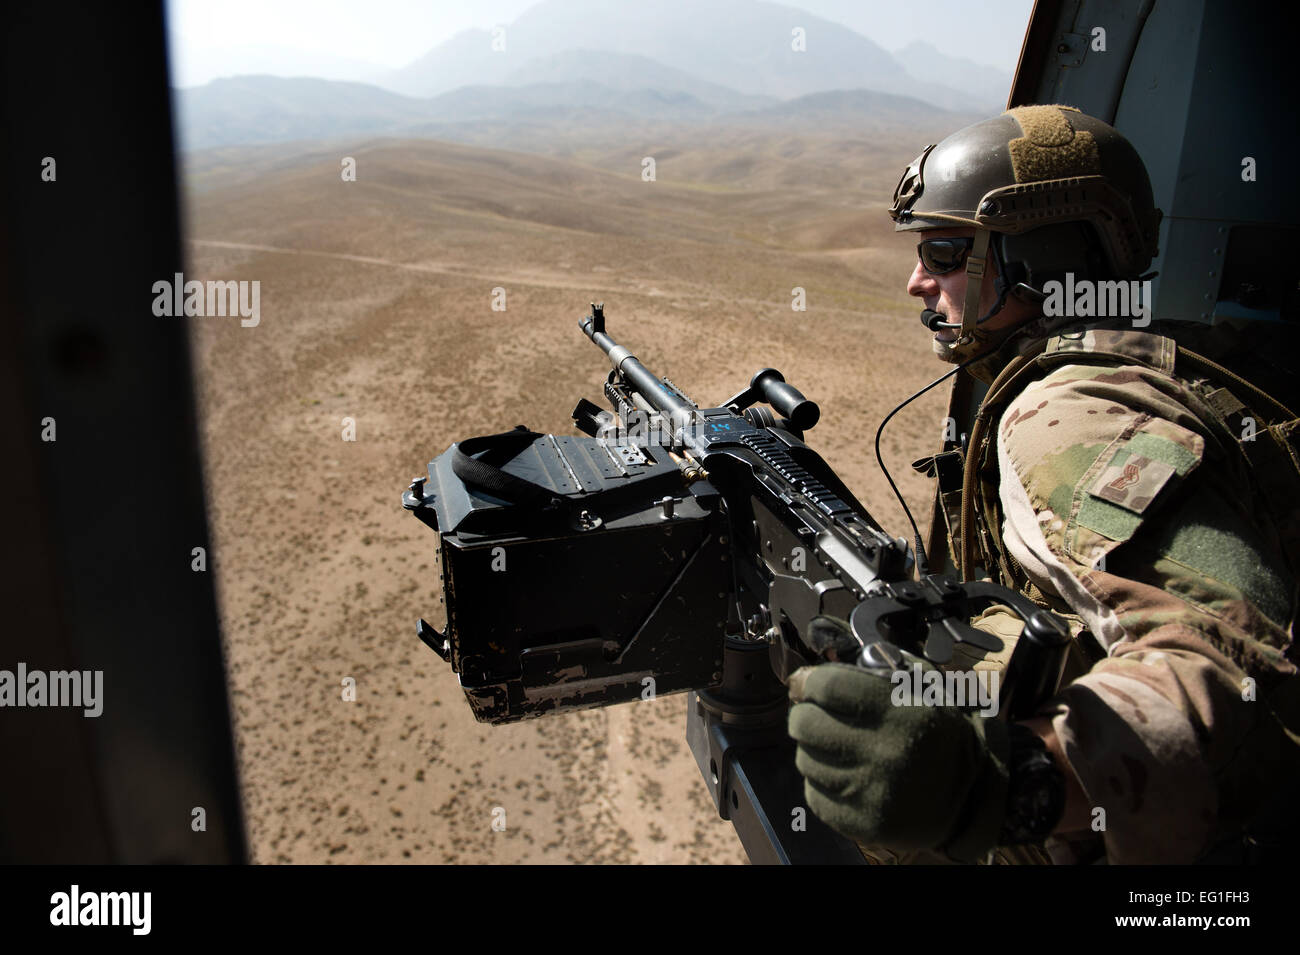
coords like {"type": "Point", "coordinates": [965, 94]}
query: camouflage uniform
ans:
{"type": "Point", "coordinates": [1125, 483]}
{"type": "Point", "coordinates": [1120, 492]}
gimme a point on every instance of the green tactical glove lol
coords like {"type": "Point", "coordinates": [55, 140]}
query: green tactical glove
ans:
{"type": "Point", "coordinates": [901, 777]}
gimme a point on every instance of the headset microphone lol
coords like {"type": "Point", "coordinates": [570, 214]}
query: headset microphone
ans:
{"type": "Point", "coordinates": [934, 320]}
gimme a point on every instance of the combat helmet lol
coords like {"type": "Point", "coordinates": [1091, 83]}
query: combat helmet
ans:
{"type": "Point", "coordinates": [1050, 188]}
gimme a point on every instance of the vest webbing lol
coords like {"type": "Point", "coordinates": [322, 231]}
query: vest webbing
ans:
{"type": "Point", "coordinates": [1273, 462]}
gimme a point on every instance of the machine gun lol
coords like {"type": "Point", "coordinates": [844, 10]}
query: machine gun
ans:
{"type": "Point", "coordinates": [678, 548]}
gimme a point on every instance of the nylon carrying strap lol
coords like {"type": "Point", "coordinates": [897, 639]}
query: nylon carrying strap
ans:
{"type": "Point", "coordinates": [976, 262]}
{"type": "Point", "coordinates": [482, 473]}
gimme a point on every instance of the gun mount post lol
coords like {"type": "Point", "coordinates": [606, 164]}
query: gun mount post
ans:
{"type": "Point", "coordinates": [737, 734]}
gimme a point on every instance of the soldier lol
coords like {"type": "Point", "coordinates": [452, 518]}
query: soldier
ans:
{"type": "Point", "coordinates": [1115, 476]}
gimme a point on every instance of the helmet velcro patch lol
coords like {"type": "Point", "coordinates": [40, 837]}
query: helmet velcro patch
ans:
{"type": "Point", "coordinates": [1051, 148]}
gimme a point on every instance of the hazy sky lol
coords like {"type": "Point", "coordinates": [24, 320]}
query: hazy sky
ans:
{"type": "Point", "coordinates": [347, 39]}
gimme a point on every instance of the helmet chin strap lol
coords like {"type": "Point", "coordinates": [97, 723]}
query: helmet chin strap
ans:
{"type": "Point", "coordinates": [973, 340]}
{"type": "Point", "coordinates": [976, 261]}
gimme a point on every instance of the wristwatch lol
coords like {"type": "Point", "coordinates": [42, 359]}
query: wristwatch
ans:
{"type": "Point", "coordinates": [1035, 789]}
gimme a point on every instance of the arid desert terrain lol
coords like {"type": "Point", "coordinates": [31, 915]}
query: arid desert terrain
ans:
{"type": "Point", "coordinates": [376, 305]}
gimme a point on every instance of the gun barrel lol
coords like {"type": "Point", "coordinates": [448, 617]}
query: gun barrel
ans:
{"type": "Point", "coordinates": [677, 407]}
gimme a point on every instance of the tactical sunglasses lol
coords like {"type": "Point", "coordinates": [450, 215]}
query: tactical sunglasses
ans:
{"type": "Point", "coordinates": [941, 256]}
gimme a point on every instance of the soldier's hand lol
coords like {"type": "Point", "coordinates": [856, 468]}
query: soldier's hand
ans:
{"type": "Point", "coordinates": [899, 776]}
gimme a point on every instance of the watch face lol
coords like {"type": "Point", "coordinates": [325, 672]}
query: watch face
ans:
{"type": "Point", "coordinates": [1035, 790]}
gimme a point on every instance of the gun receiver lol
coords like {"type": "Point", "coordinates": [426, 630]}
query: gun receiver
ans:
{"type": "Point", "coordinates": [679, 548]}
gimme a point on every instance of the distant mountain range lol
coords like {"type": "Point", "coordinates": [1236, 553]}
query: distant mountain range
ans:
{"type": "Point", "coordinates": [743, 45]}
{"type": "Point", "coordinates": [269, 109]}
{"type": "Point", "coordinates": [984, 84]}
{"type": "Point", "coordinates": [677, 61]}
{"type": "Point", "coordinates": [630, 71]}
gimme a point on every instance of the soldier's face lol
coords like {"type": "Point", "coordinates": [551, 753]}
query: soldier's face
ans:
{"type": "Point", "coordinates": [947, 293]}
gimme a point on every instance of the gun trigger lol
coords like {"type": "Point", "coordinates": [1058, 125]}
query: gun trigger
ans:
{"type": "Point", "coordinates": [938, 644]}
{"type": "Point", "coordinates": [965, 633]}
{"type": "Point", "coordinates": [827, 638]}
{"type": "Point", "coordinates": [881, 655]}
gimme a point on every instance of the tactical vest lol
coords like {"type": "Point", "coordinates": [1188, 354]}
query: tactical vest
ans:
{"type": "Point", "coordinates": [1237, 412]}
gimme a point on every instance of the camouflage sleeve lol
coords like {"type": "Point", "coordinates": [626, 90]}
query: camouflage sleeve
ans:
{"type": "Point", "coordinates": [1122, 503]}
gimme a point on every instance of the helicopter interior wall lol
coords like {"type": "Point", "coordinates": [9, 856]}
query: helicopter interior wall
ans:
{"type": "Point", "coordinates": [1194, 86]}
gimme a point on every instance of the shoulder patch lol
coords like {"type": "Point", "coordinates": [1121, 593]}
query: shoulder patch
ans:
{"type": "Point", "coordinates": [1140, 467]}
{"type": "Point", "coordinates": [1133, 474]}
{"type": "Point", "coordinates": [1131, 481]}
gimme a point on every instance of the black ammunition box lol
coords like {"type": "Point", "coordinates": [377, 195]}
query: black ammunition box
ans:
{"type": "Point", "coordinates": [616, 588]}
